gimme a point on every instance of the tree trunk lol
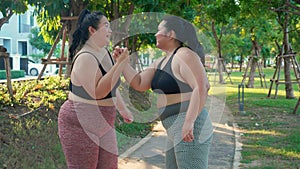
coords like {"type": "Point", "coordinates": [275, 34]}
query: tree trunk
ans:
{"type": "Point", "coordinates": [220, 61]}
{"type": "Point", "coordinates": [232, 63]}
{"type": "Point", "coordinates": [250, 83]}
{"type": "Point", "coordinates": [4, 19]}
{"type": "Point", "coordinates": [255, 54]}
{"type": "Point", "coordinates": [241, 62]}
{"type": "Point", "coordinates": [220, 70]}
{"type": "Point", "coordinates": [134, 56]}
{"type": "Point", "coordinates": [5, 56]}
{"type": "Point", "coordinates": [264, 61]}
{"type": "Point", "coordinates": [287, 63]}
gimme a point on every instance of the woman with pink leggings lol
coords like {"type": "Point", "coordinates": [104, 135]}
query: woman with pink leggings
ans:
{"type": "Point", "coordinates": [86, 120]}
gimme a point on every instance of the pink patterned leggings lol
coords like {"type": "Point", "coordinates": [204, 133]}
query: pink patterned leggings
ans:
{"type": "Point", "coordinates": [87, 136]}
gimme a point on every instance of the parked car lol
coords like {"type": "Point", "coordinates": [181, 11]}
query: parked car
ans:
{"type": "Point", "coordinates": [34, 68]}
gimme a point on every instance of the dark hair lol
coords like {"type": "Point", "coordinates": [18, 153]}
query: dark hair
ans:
{"type": "Point", "coordinates": [185, 34]}
{"type": "Point", "coordinates": [81, 34]}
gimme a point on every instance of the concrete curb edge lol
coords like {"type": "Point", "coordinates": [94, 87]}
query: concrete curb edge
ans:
{"type": "Point", "coordinates": [238, 147]}
{"type": "Point", "coordinates": [135, 147]}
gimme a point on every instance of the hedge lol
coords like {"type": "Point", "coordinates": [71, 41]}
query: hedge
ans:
{"type": "Point", "coordinates": [14, 74]}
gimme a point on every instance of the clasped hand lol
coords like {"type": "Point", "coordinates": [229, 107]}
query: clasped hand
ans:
{"type": "Point", "coordinates": [121, 54]}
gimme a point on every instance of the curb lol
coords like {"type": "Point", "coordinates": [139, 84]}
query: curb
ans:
{"type": "Point", "coordinates": [238, 147]}
{"type": "Point", "coordinates": [140, 143]}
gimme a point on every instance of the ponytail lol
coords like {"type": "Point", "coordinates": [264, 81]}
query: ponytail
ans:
{"type": "Point", "coordinates": [75, 43]}
{"type": "Point", "coordinates": [82, 16]}
{"type": "Point", "coordinates": [193, 43]}
{"type": "Point", "coordinates": [81, 34]}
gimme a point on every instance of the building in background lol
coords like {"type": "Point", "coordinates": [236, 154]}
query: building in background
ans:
{"type": "Point", "coordinates": [14, 36]}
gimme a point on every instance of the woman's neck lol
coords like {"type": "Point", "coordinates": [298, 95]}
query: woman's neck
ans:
{"type": "Point", "coordinates": [170, 50]}
{"type": "Point", "coordinates": [93, 46]}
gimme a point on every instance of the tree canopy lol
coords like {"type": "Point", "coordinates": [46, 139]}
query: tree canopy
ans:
{"type": "Point", "coordinates": [230, 27]}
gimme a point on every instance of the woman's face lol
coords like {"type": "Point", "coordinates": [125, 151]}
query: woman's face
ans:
{"type": "Point", "coordinates": [102, 36]}
{"type": "Point", "coordinates": [161, 35]}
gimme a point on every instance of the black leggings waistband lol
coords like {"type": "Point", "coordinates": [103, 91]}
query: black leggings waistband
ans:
{"type": "Point", "coordinates": [173, 109]}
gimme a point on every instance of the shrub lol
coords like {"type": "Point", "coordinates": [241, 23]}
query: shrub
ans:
{"type": "Point", "coordinates": [14, 74]}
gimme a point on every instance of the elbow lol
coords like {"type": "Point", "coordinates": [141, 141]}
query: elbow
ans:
{"type": "Point", "coordinates": [100, 94]}
{"type": "Point", "coordinates": [206, 88]}
{"type": "Point", "coordinates": [202, 90]}
{"type": "Point", "coordinates": [139, 88]}
{"type": "Point", "coordinates": [142, 89]}
{"type": "Point", "coordinates": [136, 84]}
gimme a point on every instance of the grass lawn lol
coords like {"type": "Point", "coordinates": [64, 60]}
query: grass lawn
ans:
{"type": "Point", "coordinates": [270, 131]}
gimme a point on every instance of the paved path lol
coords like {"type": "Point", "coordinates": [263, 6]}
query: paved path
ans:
{"type": "Point", "coordinates": [149, 153]}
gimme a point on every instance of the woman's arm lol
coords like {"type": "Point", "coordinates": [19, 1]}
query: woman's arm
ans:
{"type": "Point", "coordinates": [86, 73]}
{"type": "Point", "coordinates": [193, 73]}
{"type": "Point", "coordinates": [122, 108]}
{"type": "Point", "coordinates": [140, 81]}
{"type": "Point", "coordinates": [109, 80]}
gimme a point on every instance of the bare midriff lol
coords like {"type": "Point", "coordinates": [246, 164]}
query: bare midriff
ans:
{"type": "Point", "coordinates": [164, 100]}
{"type": "Point", "coordinates": [103, 102]}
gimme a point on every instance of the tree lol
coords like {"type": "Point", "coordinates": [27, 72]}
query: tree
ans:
{"type": "Point", "coordinates": [292, 7]}
{"type": "Point", "coordinates": [37, 41]}
{"type": "Point", "coordinates": [260, 28]}
{"type": "Point", "coordinates": [50, 16]}
{"type": "Point", "coordinates": [9, 7]}
{"type": "Point", "coordinates": [233, 46]}
{"type": "Point", "coordinates": [267, 30]}
{"type": "Point", "coordinates": [216, 17]}
{"type": "Point", "coordinates": [284, 21]}
{"type": "Point", "coordinates": [287, 21]}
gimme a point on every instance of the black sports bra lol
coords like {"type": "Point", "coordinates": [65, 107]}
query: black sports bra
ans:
{"type": "Point", "coordinates": [81, 92]}
{"type": "Point", "coordinates": [165, 82]}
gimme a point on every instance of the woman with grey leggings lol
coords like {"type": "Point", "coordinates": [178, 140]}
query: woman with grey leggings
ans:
{"type": "Point", "coordinates": [182, 86]}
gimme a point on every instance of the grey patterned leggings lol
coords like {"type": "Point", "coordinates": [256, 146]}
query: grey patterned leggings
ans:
{"type": "Point", "coordinates": [188, 155]}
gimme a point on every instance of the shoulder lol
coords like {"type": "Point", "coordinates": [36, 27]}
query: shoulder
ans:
{"type": "Point", "coordinates": [84, 58]}
{"type": "Point", "coordinates": [186, 55]}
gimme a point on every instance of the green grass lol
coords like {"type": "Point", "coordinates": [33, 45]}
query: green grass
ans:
{"type": "Point", "coordinates": [271, 133]}
{"type": "Point", "coordinates": [32, 142]}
